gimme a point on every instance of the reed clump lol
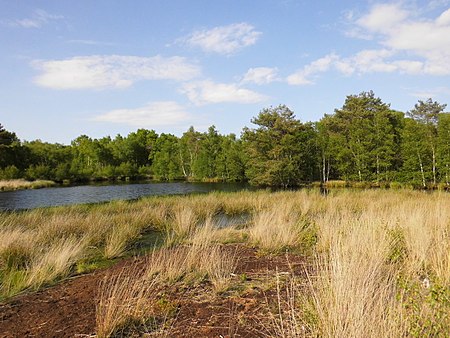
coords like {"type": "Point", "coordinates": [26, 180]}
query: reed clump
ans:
{"type": "Point", "coordinates": [124, 300]}
{"type": "Point", "coordinates": [9, 185]}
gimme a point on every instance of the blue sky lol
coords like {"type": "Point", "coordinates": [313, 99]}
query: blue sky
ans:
{"type": "Point", "coordinates": [110, 67]}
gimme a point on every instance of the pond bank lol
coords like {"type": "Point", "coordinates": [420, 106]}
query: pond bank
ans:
{"type": "Point", "coordinates": [20, 184]}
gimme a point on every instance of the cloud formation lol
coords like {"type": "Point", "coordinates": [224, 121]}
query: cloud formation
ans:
{"type": "Point", "coordinates": [38, 19]}
{"type": "Point", "coordinates": [205, 92]}
{"type": "Point", "coordinates": [304, 75]}
{"type": "Point", "coordinates": [402, 33]}
{"type": "Point", "coordinates": [225, 40]}
{"type": "Point", "coordinates": [111, 71]}
{"type": "Point", "coordinates": [408, 45]}
{"type": "Point", "coordinates": [261, 75]}
{"type": "Point", "coordinates": [155, 114]}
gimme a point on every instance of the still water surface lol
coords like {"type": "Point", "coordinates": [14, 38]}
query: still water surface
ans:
{"type": "Point", "coordinates": [29, 199]}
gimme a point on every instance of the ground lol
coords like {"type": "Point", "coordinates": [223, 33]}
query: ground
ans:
{"type": "Point", "coordinates": [68, 308]}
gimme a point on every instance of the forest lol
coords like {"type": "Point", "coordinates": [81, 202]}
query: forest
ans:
{"type": "Point", "coordinates": [363, 141]}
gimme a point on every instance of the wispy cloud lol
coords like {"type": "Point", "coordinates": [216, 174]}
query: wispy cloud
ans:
{"type": "Point", "coordinates": [433, 4]}
{"type": "Point", "coordinates": [38, 19]}
{"type": "Point", "coordinates": [261, 75]}
{"type": "Point", "coordinates": [305, 75]}
{"type": "Point", "coordinates": [431, 92]}
{"type": "Point", "coordinates": [363, 62]}
{"type": "Point", "coordinates": [408, 44]}
{"type": "Point", "coordinates": [152, 115]}
{"type": "Point", "coordinates": [204, 92]}
{"type": "Point", "coordinates": [111, 71]}
{"type": "Point", "coordinates": [225, 40]}
{"type": "Point", "coordinates": [403, 33]}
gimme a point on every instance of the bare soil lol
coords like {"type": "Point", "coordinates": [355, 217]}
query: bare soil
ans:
{"type": "Point", "coordinates": [68, 308]}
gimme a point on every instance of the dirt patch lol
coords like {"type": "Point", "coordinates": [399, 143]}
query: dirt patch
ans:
{"type": "Point", "coordinates": [68, 309]}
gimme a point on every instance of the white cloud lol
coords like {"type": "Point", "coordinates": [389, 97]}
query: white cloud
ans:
{"type": "Point", "coordinates": [38, 19]}
{"type": "Point", "coordinates": [409, 44]}
{"type": "Point", "coordinates": [405, 35]}
{"type": "Point", "coordinates": [155, 114]}
{"type": "Point", "coordinates": [261, 75]}
{"type": "Point", "coordinates": [383, 17]}
{"type": "Point", "coordinates": [111, 71]}
{"type": "Point", "coordinates": [204, 92]}
{"type": "Point", "coordinates": [365, 61]}
{"type": "Point", "coordinates": [304, 76]}
{"type": "Point", "coordinates": [224, 39]}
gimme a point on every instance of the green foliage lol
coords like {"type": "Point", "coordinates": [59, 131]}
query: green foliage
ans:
{"type": "Point", "coordinates": [443, 134]}
{"type": "Point", "coordinates": [364, 141]}
{"type": "Point", "coordinates": [40, 171]}
{"type": "Point", "coordinates": [166, 158]}
{"type": "Point", "coordinates": [427, 306]}
{"type": "Point", "coordinates": [398, 250]}
{"type": "Point", "coordinates": [364, 138]}
{"type": "Point", "coordinates": [417, 160]}
{"type": "Point", "coordinates": [278, 150]}
{"type": "Point", "coordinates": [9, 173]}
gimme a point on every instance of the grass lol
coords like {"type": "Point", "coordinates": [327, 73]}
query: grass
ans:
{"type": "Point", "coordinates": [9, 185]}
{"type": "Point", "coordinates": [124, 300]}
{"type": "Point", "coordinates": [275, 229]}
{"type": "Point", "coordinates": [379, 259]}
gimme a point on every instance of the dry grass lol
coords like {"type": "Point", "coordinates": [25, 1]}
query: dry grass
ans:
{"type": "Point", "coordinates": [381, 258]}
{"type": "Point", "coordinates": [354, 292]}
{"type": "Point", "coordinates": [55, 261]}
{"type": "Point", "coordinates": [374, 252]}
{"type": "Point", "coordinates": [124, 300]}
{"type": "Point", "coordinates": [30, 240]}
{"type": "Point", "coordinates": [193, 264]}
{"type": "Point", "coordinates": [286, 316]}
{"type": "Point", "coordinates": [8, 185]}
{"type": "Point", "coordinates": [276, 228]}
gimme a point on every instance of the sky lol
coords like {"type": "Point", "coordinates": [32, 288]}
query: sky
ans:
{"type": "Point", "coordinates": [109, 67]}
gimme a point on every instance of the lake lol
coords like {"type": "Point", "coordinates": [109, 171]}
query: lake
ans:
{"type": "Point", "coordinates": [46, 197]}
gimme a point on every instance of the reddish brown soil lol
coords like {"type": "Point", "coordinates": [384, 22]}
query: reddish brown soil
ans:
{"type": "Point", "coordinates": [68, 309]}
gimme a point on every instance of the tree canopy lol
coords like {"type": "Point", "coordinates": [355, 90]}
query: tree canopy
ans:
{"type": "Point", "coordinates": [364, 140]}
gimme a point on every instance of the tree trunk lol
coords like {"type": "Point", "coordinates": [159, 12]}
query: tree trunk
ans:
{"type": "Point", "coordinates": [434, 165]}
{"type": "Point", "coordinates": [328, 170]}
{"type": "Point", "coordinates": [421, 171]}
{"type": "Point", "coordinates": [324, 164]}
{"type": "Point", "coordinates": [183, 168]}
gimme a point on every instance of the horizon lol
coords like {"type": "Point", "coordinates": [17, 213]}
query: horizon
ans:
{"type": "Point", "coordinates": [102, 69]}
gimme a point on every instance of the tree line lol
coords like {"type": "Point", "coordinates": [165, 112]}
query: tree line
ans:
{"type": "Point", "coordinates": [363, 141]}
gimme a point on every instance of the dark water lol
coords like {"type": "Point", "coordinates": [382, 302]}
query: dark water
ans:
{"type": "Point", "coordinates": [29, 199]}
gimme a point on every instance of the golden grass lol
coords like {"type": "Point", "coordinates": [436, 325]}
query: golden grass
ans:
{"type": "Point", "coordinates": [123, 300]}
{"type": "Point", "coordinates": [193, 264]}
{"type": "Point", "coordinates": [8, 185]}
{"type": "Point", "coordinates": [55, 261]}
{"type": "Point", "coordinates": [30, 240]}
{"type": "Point", "coordinates": [354, 290]}
{"type": "Point", "coordinates": [381, 258]}
{"type": "Point", "coordinates": [373, 247]}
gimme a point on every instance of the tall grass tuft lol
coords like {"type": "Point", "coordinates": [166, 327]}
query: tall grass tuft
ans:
{"type": "Point", "coordinates": [275, 229]}
{"type": "Point", "coordinates": [56, 261]}
{"type": "Point", "coordinates": [124, 300]}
